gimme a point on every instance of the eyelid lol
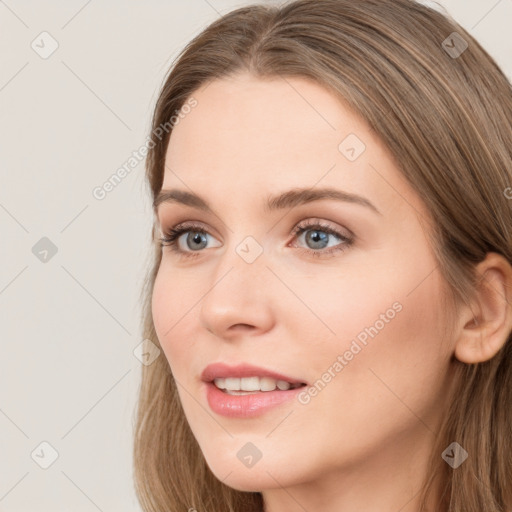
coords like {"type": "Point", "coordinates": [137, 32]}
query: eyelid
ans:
{"type": "Point", "coordinates": [176, 232]}
{"type": "Point", "coordinates": [329, 226]}
{"type": "Point", "coordinates": [309, 222]}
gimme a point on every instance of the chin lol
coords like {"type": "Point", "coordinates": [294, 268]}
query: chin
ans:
{"type": "Point", "coordinates": [247, 480]}
{"type": "Point", "coordinates": [266, 473]}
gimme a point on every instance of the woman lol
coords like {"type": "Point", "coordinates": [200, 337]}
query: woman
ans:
{"type": "Point", "coordinates": [332, 280]}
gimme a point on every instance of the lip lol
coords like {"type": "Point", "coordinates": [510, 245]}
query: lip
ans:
{"type": "Point", "coordinates": [246, 406]}
{"type": "Point", "coordinates": [222, 370]}
{"type": "Point", "coordinates": [250, 405]}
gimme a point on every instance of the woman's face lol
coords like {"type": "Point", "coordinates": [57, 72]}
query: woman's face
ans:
{"type": "Point", "coordinates": [351, 307]}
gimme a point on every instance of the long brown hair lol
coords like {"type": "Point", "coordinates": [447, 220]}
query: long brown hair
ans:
{"type": "Point", "coordinates": [444, 111]}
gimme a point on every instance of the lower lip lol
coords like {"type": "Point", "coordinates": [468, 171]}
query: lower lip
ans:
{"type": "Point", "coordinates": [246, 406]}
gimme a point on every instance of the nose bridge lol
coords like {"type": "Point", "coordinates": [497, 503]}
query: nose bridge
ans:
{"type": "Point", "coordinates": [244, 256]}
{"type": "Point", "coordinates": [241, 270]}
{"type": "Point", "coordinates": [237, 294]}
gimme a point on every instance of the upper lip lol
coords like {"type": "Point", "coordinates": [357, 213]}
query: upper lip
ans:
{"type": "Point", "coordinates": [222, 370]}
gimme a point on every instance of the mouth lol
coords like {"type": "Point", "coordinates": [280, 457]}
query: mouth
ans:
{"type": "Point", "coordinates": [253, 385]}
{"type": "Point", "coordinates": [247, 378]}
{"type": "Point", "coordinates": [246, 391]}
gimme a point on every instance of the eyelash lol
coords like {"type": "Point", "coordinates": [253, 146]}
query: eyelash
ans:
{"type": "Point", "coordinates": [170, 239]}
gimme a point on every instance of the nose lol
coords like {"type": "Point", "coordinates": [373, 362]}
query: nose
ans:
{"type": "Point", "coordinates": [238, 301]}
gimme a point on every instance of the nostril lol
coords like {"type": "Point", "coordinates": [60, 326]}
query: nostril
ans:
{"type": "Point", "coordinates": [242, 327]}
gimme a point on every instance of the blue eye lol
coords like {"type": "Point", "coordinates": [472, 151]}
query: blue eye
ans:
{"type": "Point", "coordinates": [317, 234]}
{"type": "Point", "coordinates": [196, 236]}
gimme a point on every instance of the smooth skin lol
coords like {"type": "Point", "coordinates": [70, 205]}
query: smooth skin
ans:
{"type": "Point", "coordinates": [362, 442]}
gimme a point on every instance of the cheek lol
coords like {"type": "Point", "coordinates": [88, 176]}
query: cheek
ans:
{"type": "Point", "coordinates": [157, 304]}
{"type": "Point", "coordinates": [162, 307]}
{"type": "Point", "coordinates": [386, 383]}
{"type": "Point", "coordinates": [169, 305]}
{"type": "Point", "coordinates": [391, 354]}
{"type": "Point", "coordinates": [389, 301]}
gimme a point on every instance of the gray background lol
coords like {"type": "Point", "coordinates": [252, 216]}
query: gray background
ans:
{"type": "Point", "coordinates": [70, 324]}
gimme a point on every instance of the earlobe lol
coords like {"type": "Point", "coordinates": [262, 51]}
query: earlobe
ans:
{"type": "Point", "coordinates": [488, 321]}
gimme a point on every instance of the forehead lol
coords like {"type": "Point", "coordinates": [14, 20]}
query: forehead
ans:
{"type": "Point", "coordinates": [266, 135]}
{"type": "Point", "coordinates": [264, 123]}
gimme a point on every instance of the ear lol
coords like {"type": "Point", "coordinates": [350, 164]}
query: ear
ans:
{"type": "Point", "coordinates": [487, 319]}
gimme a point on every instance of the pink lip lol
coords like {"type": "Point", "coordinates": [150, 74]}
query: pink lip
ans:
{"type": "Point", "coordinates": [244, 406]}
{"type": "Point", "coordinates": [221, 370]}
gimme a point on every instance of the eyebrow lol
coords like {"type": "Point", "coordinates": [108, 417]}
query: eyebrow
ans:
{"type": "Point", "coordinates": [289, 199]}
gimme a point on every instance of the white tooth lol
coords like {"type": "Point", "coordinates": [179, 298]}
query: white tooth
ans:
{"type": "Point", "coordinates": [282, 385]}
{"type": "Point", "coordinates": [250, 384]}
{"type": "Point", "coordinates": [220, 383]}
{"type": "Point", "coordinates": [232, 383]}
{"type": "Point", "coordinates": [267, 384]}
